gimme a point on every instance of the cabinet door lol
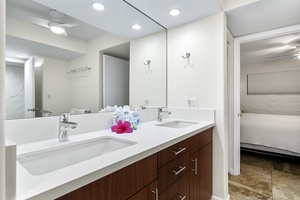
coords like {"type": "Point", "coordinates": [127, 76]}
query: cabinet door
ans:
{"type": "Point", "coordinates": [200, 140]}
{"type": "Point", "coordinates": [172, 171]}
{"type": "Point", "coordinates": [201, 174]}
{"type": "Point", "coordinates": [178, 190]}
{"type": "Point", "coordinates": [150, 192]}
{"type": "Point", "coordinates": [119, 185]}
{"type": "Point", "coordinates": [173, 152]}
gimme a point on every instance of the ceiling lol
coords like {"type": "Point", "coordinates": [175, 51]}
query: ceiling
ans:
{"type": "Point", "coordinates": [21, 9]}
{"type": "Point", "coordinates": [191, 10]}
{"type": "Point", "coordinates": [265, 15]}
{"type": "Point", "coordinates": [262, 16]}
{"type": "Point", "coordinates": [271, 49]}
{"type": "Point", "coordinates": [117, 18]}
{"type": "Point", "coordinates": [258, 16]}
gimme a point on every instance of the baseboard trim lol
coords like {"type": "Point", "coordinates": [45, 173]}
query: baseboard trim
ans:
{"type": "Point", "coordinates": [218, 198]}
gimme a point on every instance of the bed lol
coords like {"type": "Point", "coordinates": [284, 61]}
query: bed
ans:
{"type": "Point", "coordinates": [271, 133]}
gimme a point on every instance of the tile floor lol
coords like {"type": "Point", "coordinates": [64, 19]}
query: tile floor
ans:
{"type": "Point", "coordinates": [266, 177]}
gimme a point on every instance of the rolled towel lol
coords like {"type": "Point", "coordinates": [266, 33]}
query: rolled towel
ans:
{"type": "Point", "coordinates": [74, 111]}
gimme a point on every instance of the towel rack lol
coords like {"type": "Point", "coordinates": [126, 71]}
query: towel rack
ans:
{"type": "Point", "coordinates": [81, 69]}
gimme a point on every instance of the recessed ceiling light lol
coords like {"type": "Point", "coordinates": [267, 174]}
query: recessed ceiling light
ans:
{"type": "Point", "coordinates": [98, 6]}
{"type": "Point", "coordinates": [175, 12]}
{"type": "Point", "coordinates": [298, 57]}
{"type": "Point", "coordinates": [136, 26]}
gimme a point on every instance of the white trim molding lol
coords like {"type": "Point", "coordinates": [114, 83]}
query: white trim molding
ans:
{"type": "Point", "coordinates": [218, 198]}
{"type": "Point", "coordinates": [2, 100]}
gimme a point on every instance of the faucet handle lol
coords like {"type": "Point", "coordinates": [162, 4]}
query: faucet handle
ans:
{"type": "Point", "coordinates": [64, 117]}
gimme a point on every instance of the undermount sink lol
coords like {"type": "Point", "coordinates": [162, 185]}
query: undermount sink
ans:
{"type": "Point", "coordinates": [177, 124]}
{"type": "Point", "coordinates": [51, 159]}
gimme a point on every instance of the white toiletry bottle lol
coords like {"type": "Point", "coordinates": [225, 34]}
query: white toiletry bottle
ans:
{"type": "Point", "coordinates": [115, 119]}
{"type": "Point", "coordinates": [136, 116]}
{"type": "Point", "coordinates": [126, 110]}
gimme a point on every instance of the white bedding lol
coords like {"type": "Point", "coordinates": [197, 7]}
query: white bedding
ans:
{"type": "Point", "coordinates": [275, 131]}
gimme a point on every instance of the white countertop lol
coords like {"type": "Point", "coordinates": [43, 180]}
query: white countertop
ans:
{"type": "Point", "coordinates": [149, 139]}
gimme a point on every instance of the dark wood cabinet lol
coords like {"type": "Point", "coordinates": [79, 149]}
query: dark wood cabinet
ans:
{"type": "Point", "coordinates": [201, 173]}
{"type": "Point", "coordinates": [150, 192]}
{"type": "Point", "coordinates": [181, 171]}
{"type": "Point", "coordinates": [178, 190]}
{"type": "Point", "coordinates": [200, 140]}
{"type": "Point", "coordinates": [172, 171]}
{"type": "Point", "coordinates": [121, 184]}
{"type": "Point", "coordinates": [172, 152]}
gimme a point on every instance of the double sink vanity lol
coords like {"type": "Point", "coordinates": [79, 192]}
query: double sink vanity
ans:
{"type": "Point", "coordinates": [159, 160]}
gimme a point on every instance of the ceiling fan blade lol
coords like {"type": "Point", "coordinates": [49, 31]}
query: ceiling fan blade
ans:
{"type": "Point", "coordinates": [65, 33]}
{"type": "Point", "coordinates": [295, 42]}
{"type": "Point", "coordinates": [281, 56]}
{"type": "Point", "coordinates": [69, 25]}
{"type": "Point", "coordinates": [291, 58]}
{"type": "Point", "coordinates": [38, 21]}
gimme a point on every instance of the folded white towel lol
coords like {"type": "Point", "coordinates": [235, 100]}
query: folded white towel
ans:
{"type": "Point", "coordinates": [74, 111]}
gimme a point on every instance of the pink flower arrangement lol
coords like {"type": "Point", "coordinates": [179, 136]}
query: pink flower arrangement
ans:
{"type": "Point", "coordinates": [122, 127]}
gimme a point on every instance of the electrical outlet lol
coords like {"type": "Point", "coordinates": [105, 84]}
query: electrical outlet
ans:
{"type": "Point", "coordinates": [147, 102]}
{"type": "Point", "coordinates": [192, 102]}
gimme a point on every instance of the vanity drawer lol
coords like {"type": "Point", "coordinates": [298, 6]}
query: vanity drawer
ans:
{"type": "Point", "coordinates": [200, 140]}
{"type": "Point", "coordinates": [178, 190]}
{"type": "Point", "coordinates": [172, 171]}
{"type": "Point", "coordinates": [172, 152]}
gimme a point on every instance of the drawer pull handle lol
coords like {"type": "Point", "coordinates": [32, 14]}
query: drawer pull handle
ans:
{"type": "Point", "coordinates": [156, 193]}
{"type": "Point", "coordinates": [180, 151]}
{"type": "Point", "coordinates": [181, 198]}
{"type": "Point", "coordinates": [196, 166]}
{"type": "Point", "coordinates": [179, 171]}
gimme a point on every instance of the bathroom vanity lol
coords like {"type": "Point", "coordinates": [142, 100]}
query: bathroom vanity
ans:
{"type": "Point", "coordinates": [181, 171]}
{"type": "Point", "coordinates": [159, 160]}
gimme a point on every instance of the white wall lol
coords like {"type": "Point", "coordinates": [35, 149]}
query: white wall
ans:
{"type": "Point", "coordinates": [14, 92]}
{"type": "Point", "coordinates": [56, 95]}
{"type": "Point", "coordinates": [148, 82]}
{"type": "Point", "coordinates": [203, 78]}
{"type": "Point", "coordinates": [116, 81]}
{"type": "Point", "coordinates": [2, 99]}
{"type": "Point", "coordinates": [232, 4]}
{"type": "Point", "coordinates": [86, 91]}
{"type": "Point", "coordinates": [284, 104]}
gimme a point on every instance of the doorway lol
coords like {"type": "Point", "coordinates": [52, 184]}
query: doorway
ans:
{"type": "Point", "coordinates": [234, 149]}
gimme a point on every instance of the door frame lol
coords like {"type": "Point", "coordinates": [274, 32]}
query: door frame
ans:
{"type": "Point", "coordinates": [235, 155]}
{"type": "Point", "coordinates": [29, 88]}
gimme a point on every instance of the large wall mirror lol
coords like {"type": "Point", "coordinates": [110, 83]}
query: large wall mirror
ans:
{"type": "Point", "coordinates": [78, 71]}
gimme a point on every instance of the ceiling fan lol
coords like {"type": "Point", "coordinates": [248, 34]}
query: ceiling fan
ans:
{"type": "Point", "coordinates": [292, 55]}
{"type": "Point", "coordinates": [55, 24]}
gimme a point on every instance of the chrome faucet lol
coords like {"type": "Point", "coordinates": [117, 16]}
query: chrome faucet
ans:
{"type": "Point", "coordinates": [64, 126]}
{"type": "Point", "coordinates": [161, 113]}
